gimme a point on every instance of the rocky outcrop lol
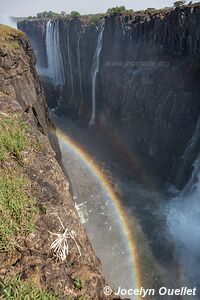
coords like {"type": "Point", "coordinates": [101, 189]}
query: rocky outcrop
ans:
{"type": "Point", "coordinates": [36, 36]}
{"type": "Point", "coordinates": [147, 90]}
{"type": "Point", "coordinates": [21, 94]}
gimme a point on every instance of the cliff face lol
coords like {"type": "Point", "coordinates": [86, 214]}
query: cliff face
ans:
{"type": "Point", "coordinates": [32, 181]}
{"type": "Point", "coordinates": [19, 78]}
{"type": "Point", "coordinates": [147, 90]}
{"type": "Point", "coordinates": [37, 36]}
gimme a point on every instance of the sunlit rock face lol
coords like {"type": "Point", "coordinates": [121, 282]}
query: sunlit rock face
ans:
{"type": "Point", "coordinates": [146, 90]}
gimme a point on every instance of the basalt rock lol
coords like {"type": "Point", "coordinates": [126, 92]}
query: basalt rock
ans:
{"type": "Point", "coordinates": [36, 33]}
{"type": "Point", "coordinates": [147, 90]}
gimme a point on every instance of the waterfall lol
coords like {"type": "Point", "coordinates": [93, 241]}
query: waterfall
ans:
{"type": "Point", "coordinates": [80, 73]}
{"type": "Point", "coordinates": [95, 70]}
{"type": "Point", "coordinates": [190, 153]}
{"type": "Point", "coordinates": [184, 213]}
{"type": "Point", "coordinates": [70, 63]}
{"type": "Point", "coordinates": [55, 70]}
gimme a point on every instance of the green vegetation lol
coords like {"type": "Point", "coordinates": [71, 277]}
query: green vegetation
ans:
{"type": "Point", "coordinates": [78, 283]}
{"type": "Point", "coordinates": [9, 37]}
{"type": "Point", "coordinates": [8, 32]}
{"type": "Point", "coordinates": [32, 18]}
{"type": "Point", "coordinates": [95, 19]}
{"type": "Point", "coordinates": [17, 208]}
{"type": "Point", "coordinates": [119, 10]}
{"type": "Point", "coordinates": [17, 289]}
{"type": "Point", "coordinates": [47, 14]}
{"type": "Point", "coordinates": [15, 45]}
{"type": "Point", "coordinates": [179, 3]}
{"type": "Point", "coordinates": [13, 137]}
{"type": "Point", "coordinates": [83, 297]}
{"type": "Point", "coordinates": [75, 14]}
{"type": "Point", "coordinates": [129, 11]}
{"type": "Point", "coordinates": [39, 145]}
{"type": "Point", "coordinates": [116, 10]}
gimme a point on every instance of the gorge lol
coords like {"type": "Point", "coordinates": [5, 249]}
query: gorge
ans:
{"type": "Point", "coordinates": [124, 114]}
{"type": "Point", "coordinates": [130, 98]}
{"type": "Point", "coordinates": [137, 52]}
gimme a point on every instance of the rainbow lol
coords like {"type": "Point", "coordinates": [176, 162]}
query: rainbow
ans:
{"type": "Point", "coordinates": [95, 169]}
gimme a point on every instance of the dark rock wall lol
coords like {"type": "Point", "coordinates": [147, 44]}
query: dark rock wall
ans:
{"type": "Point", "coordinates": [36, 33]}
{"type": "Point", "coordinates": [147, 89]}
{"type": "Point", "coordinates": [19, 78]}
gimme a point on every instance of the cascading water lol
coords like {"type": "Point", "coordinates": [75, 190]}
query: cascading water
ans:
{"type": "Point", "coordinates": [95, 70]}
{"type": "Point", "coordinates": [184, 215]}
{"type": "Point", "coordinates": [55, 70]}
{"type": "Point", "coordinates": [70, 63]}
{"type": "Point", "coordinates": [190, 154]}
{"type": "Point", "coordinates": [80, 73]}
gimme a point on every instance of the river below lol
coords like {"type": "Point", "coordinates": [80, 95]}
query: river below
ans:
{"type": "Point", "coordinates": [128, 232]}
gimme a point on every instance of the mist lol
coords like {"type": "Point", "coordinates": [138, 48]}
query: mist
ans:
{"type": "Point", "coordinates": [6, 20]}
{"type": "Point", "coordinates": [184, 223]}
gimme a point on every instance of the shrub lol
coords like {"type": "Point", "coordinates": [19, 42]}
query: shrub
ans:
{"type": "Point", "coordinates": [47, 14]}
{"type": "Point", "coordinates": [95, 19]}
{"type": "Point", "coordinates": [179, 3]}
{"type": "Point", "coordinates": [75, 14]}
{"type": "Point", "coordinates": [116, 10]}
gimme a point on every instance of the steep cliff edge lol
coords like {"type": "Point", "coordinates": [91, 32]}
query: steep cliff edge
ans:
{"type": "Point", "coordinates": [19, 78]}
{"type": "Point", "coordinates": [35, 202]}
{"type": "Point", "coordinates": [147, 90]}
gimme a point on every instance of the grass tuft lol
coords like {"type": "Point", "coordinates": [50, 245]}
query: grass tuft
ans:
{"type": "Point", "coordinates": [17, 289]}
{"type": "Point", "coordinates": [9, 37]}
{"type": "Point", "coordinates": [78, 283]}
{"type": "Point", "coordinates": [17, 208]}
{"type": "Point", "coordinates": [13, 137]}
{"type": "Point", "coordinates": [82, 297]}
